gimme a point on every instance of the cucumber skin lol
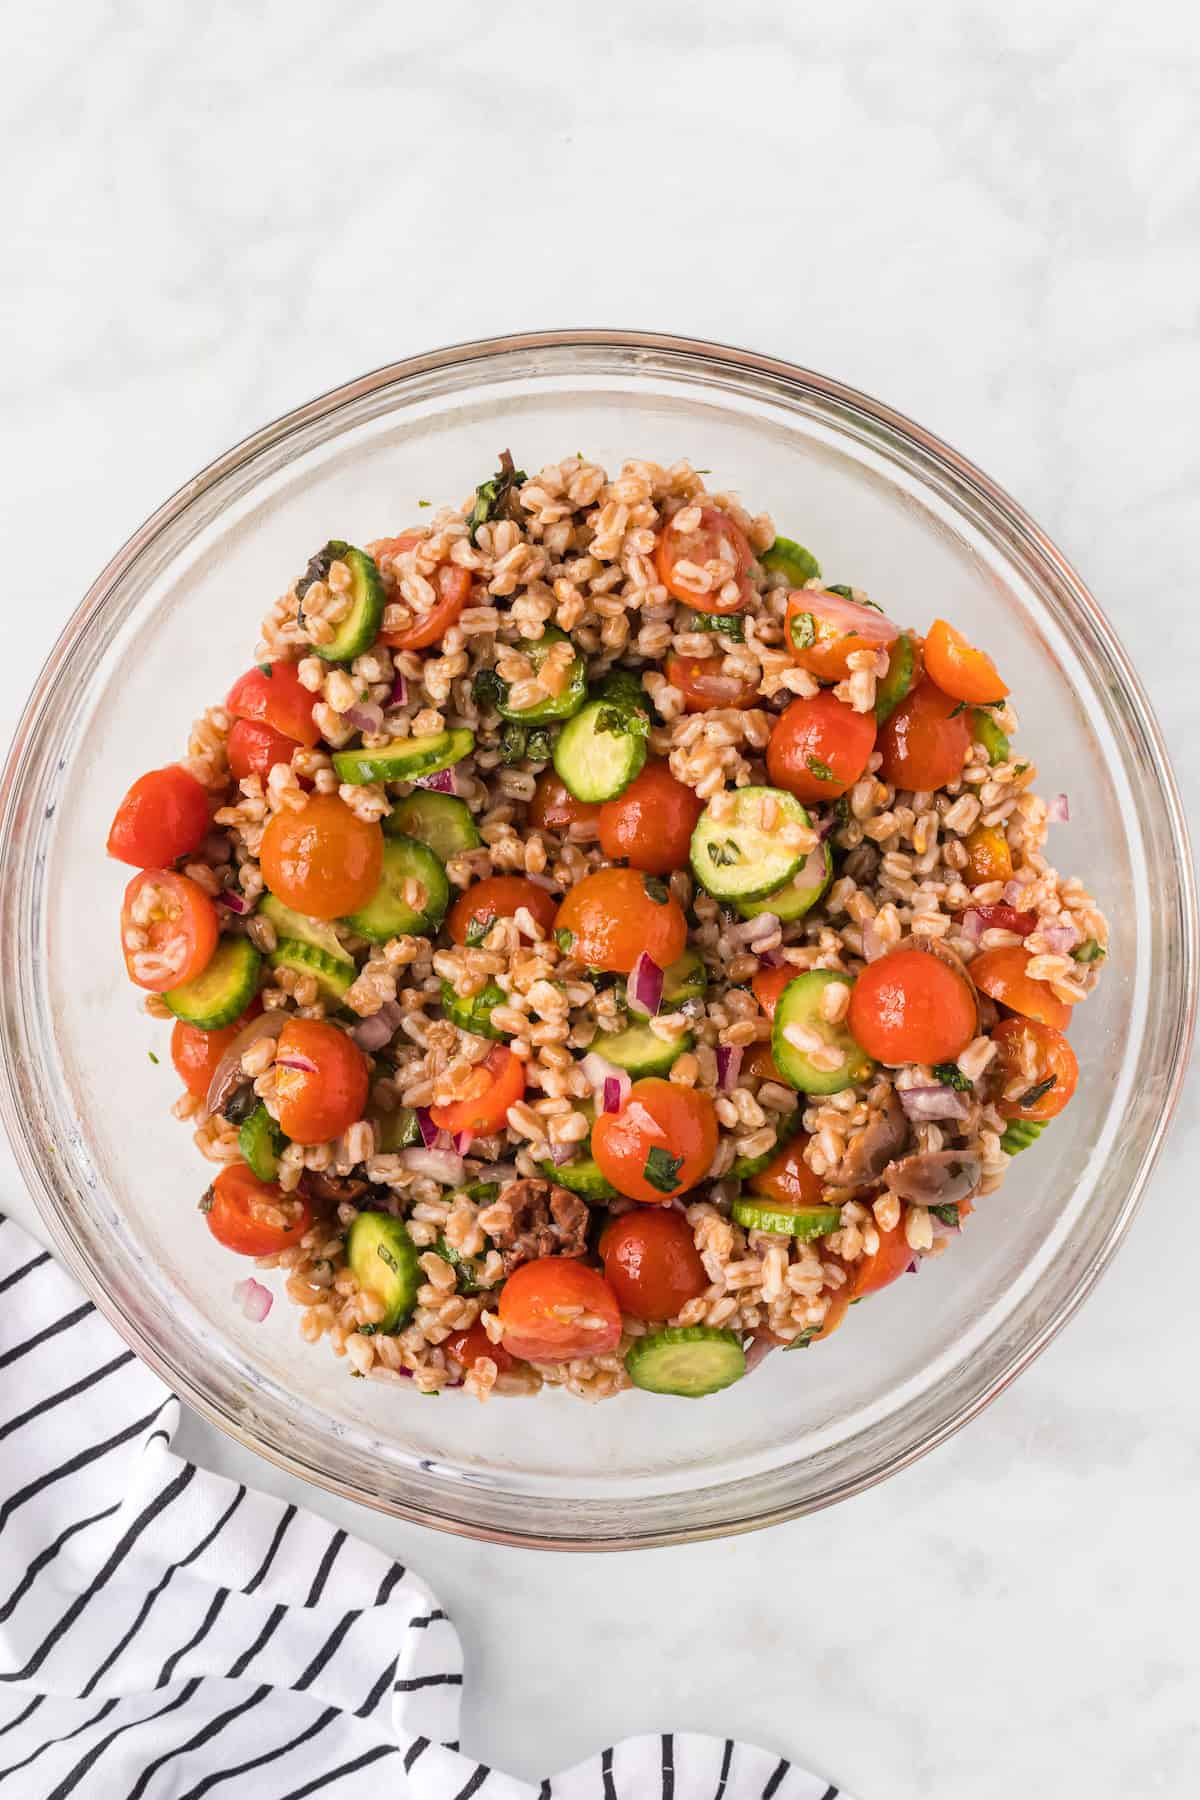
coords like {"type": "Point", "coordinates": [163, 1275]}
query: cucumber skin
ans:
{"type": "Point", "coordinates": [385, 915]}
{"type": "Point", "coordinates": [299, 927]}
{"type": "Point", "coordinates": [783, 909]}
{"type": "Point", "coordinates": [791, 1062]}
{"type": "Point", "coordinates": [239, 968]}
{"type": "Point", "coordinates": [609, 1045]}
{"type": "Point", "coordinates": [814, 1221]}
{"type": "Point", "coordinates": [401, 761]}
{"type": "Point", "coordinates": [985, 731]}
{"type": "Point", "coordinates": [686, 979]}
{"type": "Point", "coordinates": [368, 1232]}
{"type": "Point", "coordinates": [797, 563]}
{"type": "Point", "coordinates": [448, 828]}
{"type": "Point", "coordinates": [572, 745]}
{"type": "Point", "coordinates": [892, 691]}
{"type": "Point", "coordinates": [649, 1349]}
{"type": "Point", "coordinates": [463, 1013]}
{"type": "Point", "coordinates": [582, 1178]}
{"type": "Point", "coordinates": [360, 627]}
{"type": "Point", "coordinates": [261, 1142]}
{"type": "Point", "coordinates": [711, 876]}
{"type": "Point", "coordinates": [334, 975]}
{"type": "Point", "coordinates": [1019, 1134]}
{"type": "Point", "coordinates": [555, 706]}
{"type": "Point", "coordinates": [745, 1167]}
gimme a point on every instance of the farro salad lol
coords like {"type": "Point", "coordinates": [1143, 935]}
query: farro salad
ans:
{"type": "Point", "coordinates": [600, 950]}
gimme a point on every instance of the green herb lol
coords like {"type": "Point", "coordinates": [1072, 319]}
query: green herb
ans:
{"type": "Point", "coordinates": [564, 937]}
{"type": "Point", "coordinates": [724, 852]}
{"type": "Point", "coordinates": [728, 624]}
{"type": "Point", "coordinates": [266, 669]}
{"type": "Point", "coordinates": [1020, 768]}
{"type": "Point", "coordinates": [514, 743]}
{"type": "Point", "coordinates": [317, 568]}
{"type": "Point", "coordinates": [960, 708]}
{"type": "Point", "coordinates": [466, 1282]}
{"type": "Point", "coordinates": [804, 1340]}
{"type": "Point", "coordinates": [487, 689]}
{"type": "Point", "coordinates": [839, 587]}
{"type": "Point", "coordinates": [1032, 1095]}
{"type": "Point", "coordinates": [477, 930]}
{"type": "Point", "coordinates": [803, 630]}
{"type": "Point", "coordinates": [367, 1330]}
{"type": "Point", "coordinates": [1089, 952]}
{"type": "Point", "coordinates": [483, 1191]}
{"type": "Point", "coordinates": [657, 890]}
{"type": "Point", "coordinates": [540, 745]}
{"type": "Point", "coordinates": [424, 502]}
{"type": "Point", "coordinates": [947, 1214]}
{"type": "Point", "coordinates": [841, 811]}
{"type": "Point", "coordinates": [662, 1170]}
{"type": "Point", "coordinates": [820, 770]}
{"type": "Point", "coordinates": [205, 1203]}
{"type": "Point", "coordinates": [622, 721]}
{"type": "Point", "coordinates": [621, 687]}
{"type": "Point", "coordinates": [152, 1057]}
{"type": "Point", "coordinates": [497, 498]}
{"type": "Point", "coordinates": [950, 1075]}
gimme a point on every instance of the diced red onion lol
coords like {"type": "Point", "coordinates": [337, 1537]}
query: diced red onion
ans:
{"type": "Point", "coordinates": [729, 1066]}
{"type": "Point", "coordinates": [501, 1172]}
{"type": "Point", "coordinates": [399, 693]}
{"type": "Point", "coordinates": [228, 1073]}
{"type": "Point", "coordinates": [304, 1064]}
{"type": "Point", "coordinates": [1060, 938]}
{"type": "Point", "coordinates": [764, 1341]}
{"type": "Point", "coordinates": [612, 1094]}
{"type": "Point", "coordinates": [444, 782]}
{"type": "Point", "coordinates": [972, 925]}
{"type": "Point", "coordinates": [235, 901]}
{"type": "Point", "coordinates": [1014, 893]}
{"type": "Point", "coordinates": [914, 1267]}
{"type": "Point", "coordinates": [826, 826]}
{"type": "Point", "coordinates": [254, 1299]}
{"type": "Point", "coordinates": [762, 925]}
{"type": "Point", "coordinates": [938, 1101]}
{"type": "Point", "coordinates": [1058, 812]}
{"type": "Point", "coordinates": [771, 959]}
{"type": "Point", "coordinates": [562, 1153]}
{"type": "Point", "coordinates": [429, 1131]}
{"type": "Point", "coordinates": [462, 1142]}
{"type": "Point", "coordinates": [366, 716]}
{"type": "Point", "coordinates": [600, 1073]}
{"type": "Point", "coordinates": [645, 986]}
{"type": "Point", "coordinates": [440, 1165]}
{"type": "Point", "coordinates": [373, 1033]}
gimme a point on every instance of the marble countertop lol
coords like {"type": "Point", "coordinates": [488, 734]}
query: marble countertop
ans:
{"type": "Point", "coordinates": [987, 214]}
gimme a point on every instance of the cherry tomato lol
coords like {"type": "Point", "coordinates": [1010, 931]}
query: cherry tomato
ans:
{"type": "Point", "coordinates": [837, 1308]}
{"type": "Point", "coordinates": [704, 687]}
{"type": "Point", "coordinates": [1001, 975]}
{"type": "Point", "coordinates": [652, 822]}
{"type": "Point", "coordinates": [555, 808]}
{"type": "Point", "coordinates": [768, 984]}
{"type": "Point", "coordinates": [467, 1347]}
{"type": "Point", "coordinates": [1002, 917]}
{"type": "Point", "coordinates": [255, 1217]}
{"type": "Point", "coordinates": [923, 743]}
{"type": "Point", "coordinates": [1037, 1054]}
{"type": "Point", "coordinates": [959, 669]}
{"type": "Point", "coordinates": [716, 540]}
{"type": "Point", "coordinates": [278, 699]}
{"type": "Point", "coordinates": [615, 914]}
{"type": "Point", "coordinates": [255, 747]}
{"type": "Point", "coordinates": [652, 1263]}
{"type": "Point", "coordinates": [169, 929]}
{"type": "Point", "coordinates": [322, 860]}
{"type": "Point", "coordinates": [759, 1065]}
{"type": "Point", "coordinates": [196, 1053]}
{"type": "Point", "coordinates": [535, 1298]}
{"type": "Point", "coordinates": [162, 817]}
{"type": "Point", "coordinates": [788, 1179]}
{"type": "Point", "coordinates": [819, 747]}
{"type": "Point", "coordinates": [494, 1085]}
{"type": "Point", "coordinates": [910, 1006]}
{"type": "Point", "coordinates": [988, 856]}
{"type": "Point", "coordinates": [889, 1262]}
{"type": "Point", "coordinates": [822, 631]}
{"type": "Point", "coordinates": [498, 897]}
{"type": "Point", "coordinates": [453, 589]}
{"type": "Point", "coordinates": [660, 1144]}
{"type": "Point", "coordinates": [320, 1081]}
{"type": "Point", "coordinates": [393, 546]}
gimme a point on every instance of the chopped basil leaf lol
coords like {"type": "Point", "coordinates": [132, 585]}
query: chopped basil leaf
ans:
{"type": "Point", "coordinates": [947, 1214]}
{"type": "Point", "coordinates": [267, 670]}
{"type": "Point", "coordinates": [839, 587]}
{"type": "Point", "coordinates": [477, 930]}
{"type": "Point", "coordinates": [804, 1340]}
{"type": "Point", "coordinates": [565, 939]}
{"type": "Point", "coordinates": [487, 689]}
{"type": "Point", "coordinates": [1032, 1095]}
{"type": "Point", "coordinates": [367, 1330]}
{"type": "Point", "coordinates": [424, 502]}
{"type": "Point", "coordinates": [1020, 768]}
{"type": "Point", "coordinates": [841, 811]}
{"type": "Point", "coordinates": [1089, 952]}
{"type": "Point", "coordinates": [497, 498]}
{"type": "Point", "coordinates": [657, 890]}
{"type": "Point", "coordinates": [152, 1057]}
{"type": "Point", "coordinates": [662, 1170]}
{"type": "Point", "coordinates": [960, 708]}
{"type": "Point", "coordinates": [728, 624]}
{"type": "Point", "coordinates": [623, 721]}
{"type": "Point", "coordinates": [205, 1203]}
{"type": "Point", "coordinates": [803, 630]}
{"type": "Point", "coordinates": [821, 770]}
{"type": "Point", "coordinates": [950, 1075]}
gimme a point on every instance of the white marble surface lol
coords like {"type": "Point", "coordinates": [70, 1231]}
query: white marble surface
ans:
{"type": "Point", "coordinates": [988, 214]}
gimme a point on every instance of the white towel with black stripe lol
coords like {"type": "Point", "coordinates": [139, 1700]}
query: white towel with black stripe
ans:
{"type": "Point", "coordinates": [165, 1632]}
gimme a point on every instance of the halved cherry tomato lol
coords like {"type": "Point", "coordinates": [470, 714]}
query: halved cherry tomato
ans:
{"type": "Point", "coordinates": [716, 541]}
{"type": "Point", "coordinates": [615, 914]}
{"type": "Point", "coordinates": [1001, 975]}
{"type": "Point", "coordinates": [162, 817]}
{"type": "Point", "coordinates": [837, 1308]}
{"type": "Point", "coordinates": [652, 1263]}
{"type": "Point", "coordinates": [169, 929]}
{"type": "Point", "coordinates": [494, 1085]}
{"type": "Point", "coordinates": [788, 1178]}
{"type": "Point", "coordinates": [196, 1053]}
{"type": "Point", "coordinates": [394, 546]}
{"type": "Point", "coordinates": [910, 1006]}
{"type": "Point", "coordinates": [959, 669]}
{"type": "Point", "coordinates": [555, 1309]}
{"type": "Point", "coordinates": [988, 856]}
{"type": "Point", "coordinates": [1037, 1054]}
{"type": "Point", "coordinates": [467, 1347]}
{"type": "Point", "coordinates": [453, 588]}
{"type": "Point", "coordinates": [555, 808]}
{"type": "Point", "coordinates": [889, 1262]}
{"type": "Point", "coordinates": [255, 747]}
{"type": "Point", "coordinates": [823, 630]}
{"type": "Point", "coordinates": [660, 1143]}
{"type": "Point", "coordinates": [768, 984]}
{"type": "Point", "coordinates": [498, 897]}
{"type": "Point", "coordinates": [759, 1065]}
{"type": "Point", "coordinates": [320, 1081]}
{"type": "Point", "coordinates": [819, 747]}
{"type": "Point", "coordinates": [323, 859]}
{"type": "Point", "coordinates": [255, 1217]}
{"type": "Point", "coordinates": [1002, 917]}
{"type": "Point", "coordinates": [925, 741]}
{"type": "Point", "coordinates": [279, 699]}
{"type": "Point", "coordinates": [704, 687]}
{"type": "Point", "coordinates": [652, 822]}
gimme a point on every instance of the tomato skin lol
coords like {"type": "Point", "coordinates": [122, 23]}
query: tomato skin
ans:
{"type": "Point", "coordinates": [839, 629]}
{"type": "Point", "coordinates": [322, 859]}
{"type": "Point", "coordinates": [255, 747]}
{"type": "Point", "coordinates": [988, 856]}
{"type": "Point", "coordinates": [555, 808]}
{"type": "Point", "coordinates": [959, 669]}
{"type": "Point", "coordinates": [657, 1115]}
{"type": "Point", "coordinates": [1002, 917]}
{"type": "Point", "coordinates": [179, 923]}
{"type": "Point", "coordinates": [819, 733]}
{"type": "Point", "coordinates": [1000, 974]}
{"type": "Point", "coordinates": [196, 1053]}
{"type": "Point", "coordinates": [923, 746]}
{"type": "Point", "coordinates": [497, 1083]}
{"type": "Point", "coordinates": [652, 1263]}
{"type": "Point", "coordinates": [467, 1347]}
{"type": "Point", "coordinates": [704, 687]}
{"type": "Point", "coordinates": [499, 897]}
{"type": "Point", "coordinates": [910, 1006]}
{"type": "Point", "coordinates": [279, 700]}
{"type": "Point", "coordinates": [163, 816]}
{"type": "Point", "coordinates": [1050, 1054]}
{"type": "Point", "coordinates": [652, 822]}
{"type": "Point", "coordinates": [788, 1179]}
{"type": "Point", "coordinates": [394, 546]}
{"type": "Point", "coordinates": [231, 1218]}
{"type": "Point", "coordinates": [612, 919]}
{"type": "Point", "coordinates": [768, 984]}
{"type": "Point", "coordinates": [889, 1262]}
{"type": "Point", "coordinates": [454, 587]}
{"type": "Point", "coordinates": [758, 1064]}
{"type": "Point", "coordinates": [529, 1303]}
{"type": "Point", "coordinates": [319, 1103]}
{"type": "Point", "coordinates": [701, 546]}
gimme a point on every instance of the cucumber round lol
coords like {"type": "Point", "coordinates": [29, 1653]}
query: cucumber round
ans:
{"type": "Point", "coordinates": [985, 731]}
{"type": "Point", "coordinates": [475, 1014]}
{"type": "Point", "coordinates": [895, 686]}
{"type": "Point", "coordinates": [689, 1361]}
{"type": "Point", "coordinates": [582, 1178]}
{"type": "Point", "coordinates": [799, 895]}
{"type": "Point", "coordinates": [556, 706]}
{"type": "Point", "coordinates": [334, 975]}
{"type": "Point", "coordinates": [301, 927]}
{"type": "Point", "coordinates": [384, 1260]}
{"type": "Point", "coordinates": [686, 979]}
{"type": "Point", "coordinates": [404, 758]}
{"type": "Point", "coordinates": [736, 857]}
{"type": "Point", "coordinates": [803, 1222]}
{"type": "Point", "coordinates": [360, 627]}
{"type": "Point", "coordinates": [262, 1143]}
{"type": "Point", "coordinates": [746, 1166]}
{"type": "Point", "coordinates": [396, 1130]}
{"type": "Point", "coordinates": [600, 751]}
{"type": "Point", "coordinates": [387, 913]}
{"type": "Point", "coordinates": [792, 559]}
{"type": "Point", "coordinates": [221, 992]}
{"type": "Point", "coordinates": [1020, 1133]}
{"type": "Point", "coordinates": [800, 1004]}
{"type": "Point", "coordinates": [439, 820]}
{"type": "Point", "coordinates": [639, 1051]}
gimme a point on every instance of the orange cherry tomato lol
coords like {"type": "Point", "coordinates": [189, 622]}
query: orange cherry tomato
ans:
{"type": "Point", "coordinates": [255, 747]}
{"type": "Point", "coordinates": [925, 741]}
{"type": "Point", "coordinates": [278, 699]}
{"type": "Point", "coordinates": [615, 914]}
{"type": "Point", "coordinates": [196, 1053]}
{"type": "Point", "coordinates": [988, 856]}
{"type": "Point", "coordinates": [494, 1085]}
{"type": "Point", "coordinates": [788, 1179]}
{"type": "Point", "coordinates": [323, 859]}
{"type": "Point", "coordinates": [535, 1298]}
{"type": "Point", "coordinates": [255, 1217]}
{"type": "Point", "coordinates": [162, 817]}
{"type": "Point", "coordinates": [1035, 1054]}
{"type": "Point", "coordinates": [910, 1006]}
{"type": "Point", "coordinates": [169, 929]}
{"type": "Point", "coordinates": [819, 747]}
{"type": "Point", "coordinates": [889, 1262]}
{"type": "Point", "coordinates": [1000, 974]}
{"type": "Point", "coordinates": [768, 984]}
{"type": "Point", "coordinates": [453, 589]}
{"type": "Point", "coordinates": [320, 1081]}
{"type": "Point", "coordinates": [716, 541]}
{"type": "Point", "coordinates": [704, 687]}
{"type": "Point", "coordinates": [555, 808]}
{"type": "Point", "coordinates": [822, 631]}
{"type": "Point", "coordinates": [652, 1263]}
{"type": "Point", "coordinates": [652, 822]}
{"type": "Point", "coordinates": [467, 1347]}
{"type": "Point", "coordinates": [660, 1144]}
{"type": "Point", "coordinates": [959, 669]}
{"type": "Point", "coordinates": [759, 1065]}
{"type": "Point", "coordinates": [498, 897]}
{"type": "Point", "coordinates": [836, 1310]}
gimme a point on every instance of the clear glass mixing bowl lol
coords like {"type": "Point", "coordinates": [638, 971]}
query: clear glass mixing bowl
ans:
{"type": "Point", "coordinates": [174, 617]}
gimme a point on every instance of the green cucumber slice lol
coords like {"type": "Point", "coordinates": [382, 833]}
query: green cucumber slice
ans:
{"type": "Point", "coordinates": [300, 927]}
{"type": "Point", "coordinates": [804, 1222]}
{"type": "Point", "coordinates": [582, 1178]}
{"type": "Point", "coordinates": [221, 992]}
{"type": "Point", "coordinates": [360, 627]}
{"type": "Point", "coordinates": [746, 1166]}
{"type": "Point", "coordinates": [404, 758]}
{"type": "Point", "coordinates": [689, 1361]}
{"type": "Point", "coordinates": [686, 979]}
{"type": "Point", "coordinates": [439, 820]}
{"type": "Point", "coordinates": [799, 895]}
{"type": "Point", "coordinates": [262, 1143]}
{"type": "Point", "coordinates": [334, 975]}
{"type": "Point", "coordinates": [985, 731]}
{"type": "Point", "coordinates": [558, 706]}
{"type": "Point", "coordinates": [792, 559]}
{"type": "Point", "coordinates": [902, 666]}
{"type": "Point", "coordinates": [475, 1014]}
{"type": "Point", "coordinates": [384, 1260]}
{"type": "Point", "coordinates": [599, 751]}
{"type": "Point", "coordinates": [800, 1005]}
{"type": "Point", "coordinates": [735, 857]}
{"type": "Point", "coordinates": [639, 1051]}
{"type": "Point", "coordinates": [396, 1130]}
{"type": "Point", "coordinates": [1020, 1133]}
{"type": "Point", "coordinates": [388, 913]}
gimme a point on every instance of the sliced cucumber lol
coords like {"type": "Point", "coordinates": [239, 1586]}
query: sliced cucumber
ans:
{"type": "Point", "coordinates": [384, 1260]}
{"type": "Point", "coordinates": [388, 913]}
{"type": "Point", "coordinates": [792, 560]}
{"type": "Point", "coordinates": [262, 1143]}
{"type": "Point", "coordinates": [396, 1130]}
{"type": "Point", "coordinates": [746, 1166]}
{"type": "Point", "coordinates": [300, 927]}
{"type": "Point", "coordinates": [736, 857]}
{"type": "Point", "coordinates": [439, 820]}
{"type": "Point", "coordinates": [686, 979]}
{"type": "Point", "coordinates": [475, 1014]}
{"type": "Point", "coordinates": [639, 1051]}
{"type": "Point", "coordinates": [334, 975]}
{"type": "Point", "coordinates": [985, 731]}
{"type": "Point", "coordinates": [360, 627]}
{"type": "Point", "coordinates": [221, 992]}
{"type": "Point", "coordinates": [800, 1005]}
{"type": "Point", "coordinates": [563, 705]}
{"type": "Point", "coordinates": [689, 1361]}
{"type": "Point", "coordinates": [404, 758]}
{"type": "Point", "coordinates": [803, 1222]}
{"type": "Point", "coordinates": [901, 670]}
{"type": "Point", "coordinates": [801, 893]}
{"type": "Point", "coordinates": [1020, 1133]}
{"type": "Point", "coordinates": [599, 751]}
{"type": "Point", "coordinates": [582, 1178]}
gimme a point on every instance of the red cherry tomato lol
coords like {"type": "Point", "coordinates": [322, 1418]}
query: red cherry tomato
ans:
{"type": "Point", "coordinates": [1037, 1055]}
{"type": "Point", "coordinates": [889, 1262]}
{"type": "Point", "coordinates": [169, 929]}
{"type": "Point", "coordinates": [540, 1310]}
{"type": "Point", "coordinates": [253, 1217]}
{"type": "Point", "coordinates": [768, 984]}
{"type": "Point", "coordinates": [278, 699]}
{"type": "Point", "coordinates": [650, 825]}
{"type": "Point", "coordinates": [467, 1347]}
{"type": "Point", "coordinates": [555, 808]}
{"type": "Point", "coordinates": [819, 747]}
{"type": "Point", "coordinates": [924, 743]}
{"type": "Point", "coordinates": [788, 1179]}
{"type": "Point", "coordinates": [323, 859]}
{"type": "Point", "coordinates": [255, 747]}
{"type": "Point", "coordinates": [394, 546]}
{"type": "Point", "coordinates": [959, 669]}
{"type": "Point", "coordinates": [498, 897]}
{"type": "Point", "coordinates": [652, 1263]}
{"type": "Point", "coordinates": [196, 1053]}
{"type": "Point", "coordinates": [1005, 918]}
{"type": "Point", "coordinates": [823, 631]}
{"type": "Point", "coordinates": [453, 589]}
{"type": "Point", "coordinates": [911, 1007]}
{"type": "Point", "coordinates": [758, 1064]}
{"type": "Point", "coordinates": [718, 548]}
{"type": "Point", "coordinates": [163, 816]}
{"type": "Point", "coordinates": [615, 914]}
{"type": "Point", "coordinates": [660, 1144]}
{"type": "Point", "coordinates": [494, 1085]}
{"type": "Point", "coordinates": [1000, 974]}
{"type": "Point", "coordinates": [704, 687]}
{"type": "Point", "coordinates": [320, 1081]}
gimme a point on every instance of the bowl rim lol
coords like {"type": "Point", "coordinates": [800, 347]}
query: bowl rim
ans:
{"type": "Point", "coordinates": [963, 473]}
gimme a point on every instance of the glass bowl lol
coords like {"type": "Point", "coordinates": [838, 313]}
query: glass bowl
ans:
{"type": "Point", "coordinates": [174, 617]}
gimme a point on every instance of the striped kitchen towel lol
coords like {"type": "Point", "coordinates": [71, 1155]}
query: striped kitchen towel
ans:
{"type": "Point", "coordinates": [165, 1632]}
